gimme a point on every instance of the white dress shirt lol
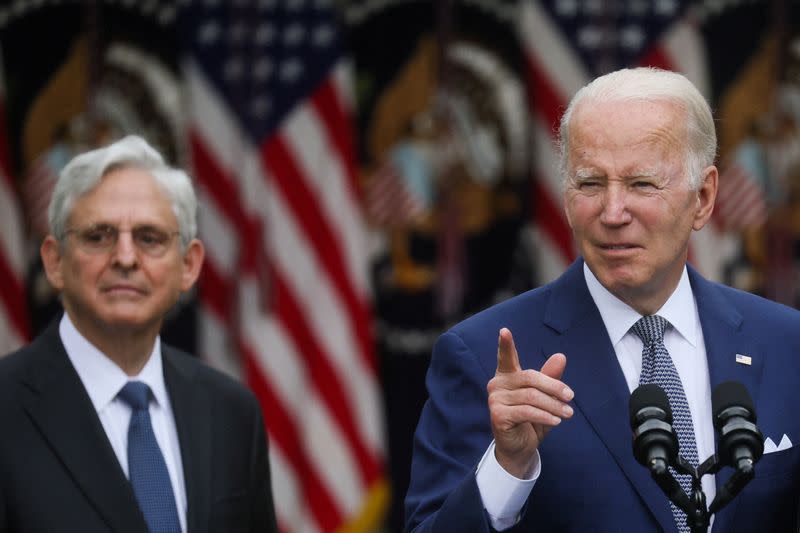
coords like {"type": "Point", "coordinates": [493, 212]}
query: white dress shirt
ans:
{"type": "Point", "coordinates": [504, 495]}
{"type": "Point", "coordinates": [103, 380]}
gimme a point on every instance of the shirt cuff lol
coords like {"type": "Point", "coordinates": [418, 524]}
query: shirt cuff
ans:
{"type": "Point", "coordinates": [503, 495]}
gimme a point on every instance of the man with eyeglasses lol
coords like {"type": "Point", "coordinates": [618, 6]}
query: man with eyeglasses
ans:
{"type": "Point", "coordinates": [104, 428]}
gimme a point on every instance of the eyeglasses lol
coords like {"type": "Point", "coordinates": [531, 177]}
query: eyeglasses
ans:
{"type": "Point", "coordinates": [102, 238]}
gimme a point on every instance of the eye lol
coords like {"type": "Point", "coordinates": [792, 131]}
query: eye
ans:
{"type": "Point", "coordinates": [644, 184]}
{"type": "Point", "coordinates": [98, 235]}
{"type": "Point", "coordinates": [589, 184]}
{"type": "Point", "coordinates": [149, 237]}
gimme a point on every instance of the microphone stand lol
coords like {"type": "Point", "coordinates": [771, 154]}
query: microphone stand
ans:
{"type": "Point", "coordinates": [698, 516]}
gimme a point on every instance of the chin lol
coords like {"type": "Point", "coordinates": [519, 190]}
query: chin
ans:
{"type": "Point", "coordinates": [125, 319]}
{"type": "Point", "coordinates": [622, 282]}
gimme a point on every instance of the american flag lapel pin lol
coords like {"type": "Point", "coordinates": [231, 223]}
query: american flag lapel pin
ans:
{"type": "Point", "coordinates": [744, 359]}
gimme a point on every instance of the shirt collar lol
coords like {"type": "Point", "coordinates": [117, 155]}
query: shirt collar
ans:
{"type": "Point", "coordinates": [679, 309]}
{"type": "Point", "coordinates": [101, 377]}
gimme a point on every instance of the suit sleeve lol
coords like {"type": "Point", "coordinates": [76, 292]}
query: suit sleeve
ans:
{"type": "Point", "coordinates": [263, 510]}
{"type": "Point", "coordinates": [452, 435]}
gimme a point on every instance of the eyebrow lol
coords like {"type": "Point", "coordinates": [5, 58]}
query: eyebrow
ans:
{"type": "Point", "coordinates": [586, 173]}
{"type": "Point", "coordinates": [583, 173]}
{"type": "Point", "coordinates": [117, 226]}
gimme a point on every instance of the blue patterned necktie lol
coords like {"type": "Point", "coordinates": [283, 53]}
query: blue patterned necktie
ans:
{"type": "Point", "coordinates": [148, 471]}
{"type": "Point", "coordinates": [658, 368]}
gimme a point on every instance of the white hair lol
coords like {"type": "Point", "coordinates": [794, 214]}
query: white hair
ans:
{"type": "Point", "coordinates": [652, 85]}
{"type": "Point", "coordinates": [85, 171]}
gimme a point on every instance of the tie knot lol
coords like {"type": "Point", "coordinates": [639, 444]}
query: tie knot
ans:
{"type": "Point", "coordinates": [651, 328]}
{"type": "Point", "coordinates": [136, 394]}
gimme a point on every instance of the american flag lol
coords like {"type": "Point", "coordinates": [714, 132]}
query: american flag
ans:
{"type": "Point", "coordinates": [285, 283]}
{"type": "Point", "coordinates": [14, 326]}
{"type": "Point", "coordinates": [741, 200]}
{"type": "Point", "coordinates": [388, 201]}
{"type": "Point", "coordinates": [568, 43]}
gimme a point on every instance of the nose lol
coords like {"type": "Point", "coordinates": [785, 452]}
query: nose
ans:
{"type": "Point", "coordinates": [615, 206]}
{"type": "Point", "coordinates": [125, 254]}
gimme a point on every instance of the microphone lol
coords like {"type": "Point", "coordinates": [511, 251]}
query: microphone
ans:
{"type": "Point", "coordinates": [741, 444]}
{"type": "Point", "coordinates": [655, 444]}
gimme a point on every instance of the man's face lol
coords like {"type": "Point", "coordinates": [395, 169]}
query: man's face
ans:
{"type": "Point", "coordinates": [123, 287]}
{"type": "Point", "coordinates": [628, 199]}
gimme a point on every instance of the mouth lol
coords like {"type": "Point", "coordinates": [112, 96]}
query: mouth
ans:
{"type": "Point", "coordinates": [122, 289]}
{"type": "Point", "coordinates": [618, 246]}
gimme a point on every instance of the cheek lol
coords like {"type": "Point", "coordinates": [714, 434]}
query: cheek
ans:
{"type": "Point", "coordinates": [84, 274]}
{"type": "Point", "coordinates": [166, 276]}
{"type": "Point", "coordinates": [580, 211]}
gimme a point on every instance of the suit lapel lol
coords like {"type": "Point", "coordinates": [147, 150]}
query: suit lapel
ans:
{"type": "Point", "coordinates": [60, 407]}
{"type": "Point", "coordinates": [722, 332]}
{"type": "Point", "coordinates": [601, 392]}
{"type": "Point", "coordinates": [193, 419]}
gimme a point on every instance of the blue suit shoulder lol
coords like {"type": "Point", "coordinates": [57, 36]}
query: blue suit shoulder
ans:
{"type": "Point", "coordinates": [758, 311]}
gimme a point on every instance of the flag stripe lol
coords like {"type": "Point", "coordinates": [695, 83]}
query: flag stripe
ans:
{"type": "Point", "coordinates": [545, 45]}
{"type": "Point", "coordinates": [309, 281]}
{"type": "Point", "coordinates": [314, 141]}
{"type": "Point", "coordinates": [327, 104]}
{"type": "Point", "coordinates": [284, 433]}
{"type": "Point", "coordinates": [216, 230]}
{"type": "Point", "coordinates": [12, 295]}
{"type": "Point", "coordinates": [290, 495]}
{"type": "Point", "coordinates": [322, 442]}
{"type": "Point", "coordinates": [12, 250]}
{"type": "Point", "coordinates": [297, 195]}
{"type": "Point", "coordinates": [314, 153]}
{"type": "Point", "coordinates": [322, 375]}
{"type": "Point", "coordinates": [219, 185]}
{"type": "Point", "coordinates": [549, 103]}
{"type": "Point", "coordinates": [216, 290]}
{"type": "Point", "coordinates": [552, 221]}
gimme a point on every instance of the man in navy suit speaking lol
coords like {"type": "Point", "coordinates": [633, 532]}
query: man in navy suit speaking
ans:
{"type": "Point", "coordinates": [530, 431]}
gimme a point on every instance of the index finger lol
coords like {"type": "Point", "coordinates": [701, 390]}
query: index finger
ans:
{"type": "Point", "coordinates": [507, 357]}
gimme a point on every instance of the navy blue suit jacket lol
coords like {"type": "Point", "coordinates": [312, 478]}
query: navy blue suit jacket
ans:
{"type": "Point", "coordinates": [590, 480]}
{"type": "Point", "coordinates": [59, 473]}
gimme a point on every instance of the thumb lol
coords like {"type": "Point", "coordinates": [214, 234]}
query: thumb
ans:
{"type": "Point", "coordinates": [507, 357]}
{"type": "Point", "coordinates": [554, 366]}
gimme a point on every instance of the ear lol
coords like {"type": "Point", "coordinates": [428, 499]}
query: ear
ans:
{"type": "Point", "coordinates": [192, 264]}
{"type": "Point", "coordinates": [50, 252]}
{"type": "Point", "coordinates": [565, 203]}
{"type": "Point", "coordinates": [706, 196]}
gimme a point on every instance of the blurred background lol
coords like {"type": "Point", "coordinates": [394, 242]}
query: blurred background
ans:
{"type": "Point", "coordinates": [369, 173]}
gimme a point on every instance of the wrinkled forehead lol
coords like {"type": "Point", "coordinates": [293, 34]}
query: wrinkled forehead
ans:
{"type": "Point", "coordinates": [627, 124]}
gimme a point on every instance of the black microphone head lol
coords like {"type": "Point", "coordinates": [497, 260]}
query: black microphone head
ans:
{"type": "Point", "coordinates": [649, 395]}
{"type": "Point", "coordinates": [731, 394]}
{"type": "Point", "coordinates": [655, 444]}
{"type": "Point", "coordinates": [740, 442]}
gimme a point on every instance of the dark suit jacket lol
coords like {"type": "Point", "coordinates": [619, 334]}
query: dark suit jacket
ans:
{"type": "Point", "coordinates": [590, 480]}
{"type": "Point", "coordinates": [58, 471]}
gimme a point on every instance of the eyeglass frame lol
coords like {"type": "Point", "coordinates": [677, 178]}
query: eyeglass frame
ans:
{"type": "Point", "coordinates": [86, 246]}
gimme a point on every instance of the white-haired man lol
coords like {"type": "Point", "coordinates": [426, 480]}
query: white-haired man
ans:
{"type": "Point", "coordinates": [503, 445]}
{"type": "Point", "coordinates": [105, 428]}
